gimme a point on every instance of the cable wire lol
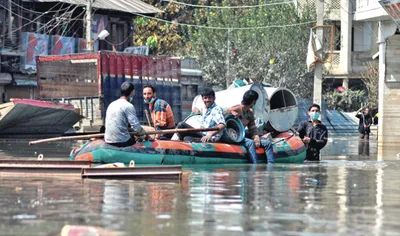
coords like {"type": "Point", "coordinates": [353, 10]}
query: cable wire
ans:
{"type": "Point", "coordinates": [230, 7]}
{"type": "Point", "coordinates": [226, 28]}
{"type": "Point", "coordinates": [38, 12]}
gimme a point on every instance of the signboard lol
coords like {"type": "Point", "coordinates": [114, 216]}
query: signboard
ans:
{"type": "Point", "coordinates": [33, 45]}
{"type": "Point", "coordinates": [138, 50]}
{"type": "Point", "coordinates": [62, 45]}
{"type": "Point", "coordinates": [392, 7]}
{"type": "Point", "coordinates": [99, 23]}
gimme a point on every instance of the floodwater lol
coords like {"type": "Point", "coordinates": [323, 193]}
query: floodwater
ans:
{"type": "Point", "coordinates": [348, 193]}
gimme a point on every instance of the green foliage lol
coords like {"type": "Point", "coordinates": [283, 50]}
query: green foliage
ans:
{"type": "Point", "coordinates": [273, 55]}
{"type": "Point", "coordinates": [349, 100]}
{"type": "Point", "coordinates": [162, 38]}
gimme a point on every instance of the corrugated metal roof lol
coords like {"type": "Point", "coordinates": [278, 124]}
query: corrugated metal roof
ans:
{"type": "Point", "coordinates": [129, 6]}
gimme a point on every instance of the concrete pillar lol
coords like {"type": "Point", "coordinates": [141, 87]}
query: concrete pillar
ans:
{"type": "Point", "coordinates": [389, 91]}
{"type": "Point", "coordinates": [345, 39]}
{"type": "Point", "coordinates": [317, 95]}
{"type": "Point", "coordinates": [382, 47]}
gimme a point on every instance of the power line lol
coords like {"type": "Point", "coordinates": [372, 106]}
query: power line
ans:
{"type": "Point", "coordinates": [47, 24]}
{"type": "Point", "coordinates": [68, 15]}
{"type": "Point", "coordinates": [362, 28]}
{"type": "Point", "coordinates": [117, 44]}
{"type": "Point", "coordinates": [34, 21]}
{"type": "Point", "coordinates": [65, 29]}
{"type": "Point", "coordinates": [38, 12]}
{"type": "Point", "coordinates": [6, 8]}
{"type": "Point", "coordinates": [229, 7]}
{"type": "Point", "coordinates": [225, 28]}
{"type": "Point", "coordinates": [29, 20]}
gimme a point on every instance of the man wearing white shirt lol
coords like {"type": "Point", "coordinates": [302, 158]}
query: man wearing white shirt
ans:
{"type": "Point", "coordinates": [120, 114]}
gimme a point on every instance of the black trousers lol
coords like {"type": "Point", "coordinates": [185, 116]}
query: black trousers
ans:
{"type": "Point", "coordinates": [182, 135]}
{"type": "Point", "coordinates": [130, 142]}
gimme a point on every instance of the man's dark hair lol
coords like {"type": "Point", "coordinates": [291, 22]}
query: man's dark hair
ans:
{"type": "Point", "coordinates": [150, 86]}
{"type": "Point", "coordinates": [314, 105]}
{"type": "Point", "coordinates": [249, 96]}
{"type": "Point", "coordinates": [126, 89]}
{"type": "Point", "coordinates": [207, 92]}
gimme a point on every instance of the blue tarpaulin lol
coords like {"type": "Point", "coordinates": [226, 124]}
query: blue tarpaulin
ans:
{"type": "Point", "coordinates": [25, 83]}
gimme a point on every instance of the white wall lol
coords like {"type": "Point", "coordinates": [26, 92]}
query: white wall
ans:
{"type": "Point", "coordinates": [362, 36]}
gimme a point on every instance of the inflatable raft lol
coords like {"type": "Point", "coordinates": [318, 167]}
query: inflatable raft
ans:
{"type": "Point", "coordinates": [287, 147]}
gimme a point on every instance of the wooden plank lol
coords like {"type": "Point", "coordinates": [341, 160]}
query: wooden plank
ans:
{"type": "Point", "coordinates": [147, 172]}
{"type": "Point", "coordinates": [35, 169]}
{"type": "Point", "coordinates": [45, 163]}
{"type": "Point", "coordinates": [24, 171]}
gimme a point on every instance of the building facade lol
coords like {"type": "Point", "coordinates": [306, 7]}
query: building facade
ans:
{"type": "Point", "coordinates": [29, 28]}
{"type": "Point", "coordinates": [387, 44]}
{"type": "Point", "coordinates": [366, 35]}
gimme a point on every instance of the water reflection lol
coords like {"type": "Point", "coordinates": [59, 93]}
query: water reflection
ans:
{"type": "Point", "coordinates": [318, 198]}
{"type": "Point", "coordinates": [335, 196]}
{"type": "Point", "coordinates": [363, 148]}
{"type": "Point", "coordinates": [21, 149]}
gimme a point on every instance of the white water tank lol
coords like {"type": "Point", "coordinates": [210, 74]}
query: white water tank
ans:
{"type": "Point", "coordinates": [283, 108]}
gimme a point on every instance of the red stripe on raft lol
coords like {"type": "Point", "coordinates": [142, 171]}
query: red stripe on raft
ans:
{"type": "Point", "coordinates": [88, 156]}
{"type": "Point", "coordinates": [179, 145]}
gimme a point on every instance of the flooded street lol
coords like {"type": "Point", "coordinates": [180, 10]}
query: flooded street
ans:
{"type": "Point", "coordinates": [349, 192]}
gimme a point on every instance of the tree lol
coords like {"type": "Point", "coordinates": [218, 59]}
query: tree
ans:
{"type": "Point", "coordinates": [162, 38]}
{"type": "Point", "coordinates": [371, 81]}
{"type": "Point", "coordinates": [273, 55]}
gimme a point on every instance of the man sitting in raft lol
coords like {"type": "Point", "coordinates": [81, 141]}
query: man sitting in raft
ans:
{"type": "Point", "coordinates": [245, 113]}
{"type": "Point", "coordinates": [213, 117]}
{"type": "Point", "coordinates": [161, 112]}
{"type": "Point", "coordinates": [120, 114]}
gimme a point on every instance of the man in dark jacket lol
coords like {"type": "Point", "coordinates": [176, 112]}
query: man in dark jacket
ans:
{"type": "Point", "coordinates": [313, 133]}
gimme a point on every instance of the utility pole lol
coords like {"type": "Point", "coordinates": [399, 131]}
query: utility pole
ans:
{"type": "Point", "coordinates": [346, 19]}
{"type": "Point", "coordinates": [381, 92]}
{"type": "Point", "coordinates": [89, 25]}
{"type": "Point", "coordinates": [317, 97]}
{"type": "Point", "coordinates": [10, 21]}
{"type": "Point", "coordinates": [227, 58]}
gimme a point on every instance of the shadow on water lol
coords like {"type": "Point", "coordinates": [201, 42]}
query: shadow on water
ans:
{"type": "Point", "coordinates": [21, 149]}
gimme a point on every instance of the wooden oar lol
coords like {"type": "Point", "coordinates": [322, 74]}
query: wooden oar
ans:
{"type": "Point", "coordinates": [148, 117]}
{"type": "Point", "coordinates": [83, 137]}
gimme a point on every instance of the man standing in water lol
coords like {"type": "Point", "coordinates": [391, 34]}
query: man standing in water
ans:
{"type": "Point", "coordinates": [245, 113]}
{"type": "Point", "coordinates": [161, 112]}
{"type": "Point", "coordinates": [313, 133]}
{"type": "Point", "coordinates": [213, 117]}
{"type": "Point", "coordinates": [364, 123]}
{"type": "Point", "coordinates": [120, 114]}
